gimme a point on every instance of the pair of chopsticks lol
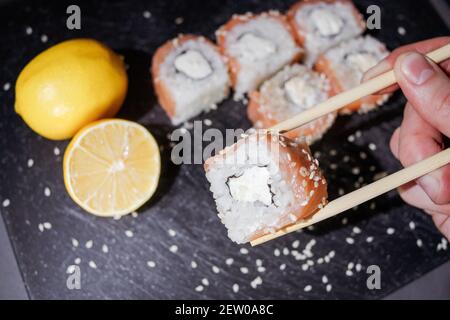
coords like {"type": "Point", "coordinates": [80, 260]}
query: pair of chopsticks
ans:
{"type": "Point", "coordinates": [376, 188]}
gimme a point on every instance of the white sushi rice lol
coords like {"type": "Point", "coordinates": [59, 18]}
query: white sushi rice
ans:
{"type": "Point", "coordinates": [196, 76]}
{"type": "Point", "coordinates": [262, 45]}
{"type": "Point", "coordinates": [259, 204]}
{"type": "Point", "coordinates": [324, 25]}
{"type": "Point", "coordinates": [293, 90]}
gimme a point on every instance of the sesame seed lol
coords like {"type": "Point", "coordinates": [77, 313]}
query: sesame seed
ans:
{"type": "Point", "coordinates": [412, 225]}
{"type": "Point", "coordinates": [89, 244]}
{"type": "Point", "coordinates": [129, 233]}
{"type": "Point", "coordinates": [151, 264]}
{"type": "Point", "coordinates": [244, 270]}
{"type": "Point", "coordinates": [282, 266]}
{"type": "Point", "coordinates": [28, 30]}
{"type": "Point", "coordinates": [257, 281]}
{"type": "Point", "coordinates": [295, 244]}
{"type": "Point", "coordinates": [75, 242]}
{"type": "Point", "coordinates": [419, 243]}
{"type": "Point", "coordinates": [243, 251]}
{"type": "Point", "coordinates": [229, 261]}
{"type": "Point", "coordinates": [328, 287]}
{"type": "Point", "coordinates": [401, 31]}
{"type": "Point", "coordinates": [6, 203]}
{"type": "Point", "coordinates": [47, 225]}
{"type": "Point", "coordinates": [146, 14]}
{"type": "Point", "coordinates": [372, 146]}
{"type": "Point", "coordinates": [307, 288]}
{"type": "Point", "coordinates": [215, 269]}
{"type": "Point", "coordinates": [44, 38]}
{"type": "Point", "coordinates": [350, 240]}
{"type": "Point", "coordinates": [205, 282]}
{"type": "Point", "coordinates": [173, 248]}
{"type": "Point", "coordinates": [276, 252]}
{"type": "Point", "coordinates": [369, 239]}
{"type": "Point", "coordinates": [70, 269]}
{"type": "Point", "coordinates": [193, 264]}
{"type": "Point", "coordinates": [77, 261]}
{"type": "Point", "coordinates": [92, 264]}
{"type": "Point", "coordinates": [134, 214]}
{"type": "Point", "coordinates": [56, 151]}
{"type": "Point", "coordinates": [235, 288]}
{"type": "Point", "coordinates": [6, 86]}
{"type": "Point", "coordinates": [350, 265]}
{"type": "Point", "coordinates": [351, 138]}
{"type": "Point", "coordinates": [199, 288]}
{"type": "Point", "coordinates": [324, 279]}
{"type": "Point", "coordinates": [47, 192]}
{"type": "Point", "coordinates": [356, 230]}
{"type": "Point", "coordinates": [285, 251]}
{"type": "Point", "coordinates": [179, 20]}
{"type": "Point", "coordinates": [358, 267]}
{"type": "Point", "coordinates": [105, 248]}
{"type": "Point", "coordinates": [344, 221]}
{"type": "Point", "coordinates": [172, 233]}
{"type": "Point", "coordinates": [348, 273]}
{"type": "Point", "coordinates": [30, 163]}
{"type": "Point", "coordinates": [41, 227]}
{"type": "Point", "coordinates": [390, 231]}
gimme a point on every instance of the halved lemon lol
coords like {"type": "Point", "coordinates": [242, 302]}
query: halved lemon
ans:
{"type": "Point", "coordinates": [112, 167]}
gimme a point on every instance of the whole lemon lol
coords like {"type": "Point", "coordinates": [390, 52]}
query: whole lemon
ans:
{"type": "Point", "coordinates": [70, 85]}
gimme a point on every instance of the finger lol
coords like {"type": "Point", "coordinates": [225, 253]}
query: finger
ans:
{"type": "Point", "coordinates": [414, 195]}
{"type": "Point", "coordinates": [418, 140]}
{"type": "Point", "coordinates": [388, 63]}
{"type": "Point", "coordinates": [427, 89]}
{"type": "Point", "coordinates": [442, 222]}
{"type": "Point", "coordinates": [393, 144]}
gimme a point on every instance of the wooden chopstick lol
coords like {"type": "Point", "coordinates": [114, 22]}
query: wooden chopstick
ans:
{"type": "Point", "coordinates": [366, 193]}
{"type": "Point", "coordinates": [341, 100]}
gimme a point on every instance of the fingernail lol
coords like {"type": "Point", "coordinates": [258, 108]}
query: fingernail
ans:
{"type": "Point", "coordinates": [416, 68]}
{"type": "Point", "coordinates": [380, 68]}
{"type": "Point", "coordinates": [430, 184]}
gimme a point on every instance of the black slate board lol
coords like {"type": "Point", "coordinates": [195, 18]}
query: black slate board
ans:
{"type": "Point", "coordinates": [183, 202]}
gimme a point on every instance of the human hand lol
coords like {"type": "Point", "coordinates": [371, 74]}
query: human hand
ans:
{"type": "Point", "coordinates": [426, 121]}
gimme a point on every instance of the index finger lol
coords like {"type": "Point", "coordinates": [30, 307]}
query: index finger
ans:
{"type": "Point", "coordinates": [388, 63]}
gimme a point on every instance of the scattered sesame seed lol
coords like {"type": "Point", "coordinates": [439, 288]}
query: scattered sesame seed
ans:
{"type": "Point", "coordinates": [372, 146]}
{"type": "Point", "coordinates": [328, 287]}
{"type": "Point", "coordinates": [47, 225]}
{"type": "Point", "coordinates": [412, 225]}
{"type": "Point", "coordinates": [305, 266]}
{"type": "Point", "coordinates": [307, 288]}
{"type": "Point", "coordinates": [56, 151]}
{"type": "Point", "coordinates": [75, 242]}
{"type": "Point", "coordinates": [6, 86]}
{"type": "Point", "coordinates": [41, 227]}
{"type": "Point", "coordinates": [215, 269]}
{"type": "Point", "coordinates": [358, 267]}
{"type": "Point", "coordinates": [419, 243]}
{"type": "Point", "coordinates": [344, 221]}
{"type": "Point", "coordinates": [229, 261]}
{"type": "Point", "coordinates": [244, 270]}
{"type": "Point", "coordinates": [324, 279]}
{"type": "Point", "coordinates": [356, 230]}
{"type": "Point", "coordinates": [295, 244]}
{"type": "Point", "coordinates": [257, 281]}
{"type": "Point", "coordinates": [70, 269]}
{"type": "Point", "coordinates": [350, 265]}
{"type": "Point", "coordinates": [6, 203]}
{"type": "Point", "coordinates": [193, 264]}
{"type": "Point", "coordinates": [350, 240]}
{"type": "Point", "coordinates": [30, 163]}
{"type": "Point", "coordinates": [44, 38]}
{"type": "Point", "coordinates": [205, 282]}
{"type": "Point", "coordinates": [47, 192]}
{"type": "Point", "coordinates": [146, 14]}
{"type": "Point", "coordinates": [179, 20]}
{"type": "Point", "coordinates": [235, 288]}
{"type": "Point", "coordinates": [276, 252]}
{"type": "Point", "coordinates": [92, 264]}
{"type": "Point", "coordinates": [243, 251]}
{"type": "Point", "coordinates": [356, 171]}
{"type": "Point", "coordinates": [199, 288]}
{"type": "Point", "coordinates": [89, 244]}
{"type": "Point", "coordinates": [390, 231]}
{"type": "Point", "coordinates": [369, 239]}
{"type": "Point", "coordinates": [151, 264]}
{"type": "Point", "coordinates": [28, 30]}
{"type": "Point", "coordinates": [351, 138]}
{"type": "Point", "coordinates": [172, 232]}
{"type": "Point", "coordinates": [129, 233]}
{"type": "Point", "coordinates": [261, 269]}
{"type": "Point", "coordinates": [77, 261]}
{"type": "Point", "coordinates": [348, 273]}
{"type": "Point", "coordinates": [105, 248]}
{"type": "Point", "coordinates": [282, 266]}
{"type": "Point", "coordinates": [207, 122]}
{"type": "Point", "coordinates": [401, 31]}
{"type": "Point", "coordinates": [285, 251]}
{"type": "Point", "coordinates": [134, 214]}
{"type": "Point", "coordinates": [173, 248]}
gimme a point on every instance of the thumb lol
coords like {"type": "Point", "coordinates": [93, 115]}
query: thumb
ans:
{"type": "Point", "coordinates": [426, 87]}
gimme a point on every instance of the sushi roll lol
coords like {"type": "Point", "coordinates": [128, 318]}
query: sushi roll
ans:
{"type": "Point", "coordinates": [292, 90]}
{"type": "Point", "coordinates": [322, 24]}
{"type": "Point", "coordinates": [263, 183]}
{"type": "Point", "coordinates": [257, 46]}
{"type": "Point", "coordinates": [189, 76]}
{"type": "Point", "coordinates": [345, 65]}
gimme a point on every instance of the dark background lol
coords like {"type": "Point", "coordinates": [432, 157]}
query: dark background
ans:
{"type": "Point", "coordinates": [183, 202]}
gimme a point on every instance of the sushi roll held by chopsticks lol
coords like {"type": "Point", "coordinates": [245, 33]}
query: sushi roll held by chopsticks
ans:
{"type": "Point", "coordinates": [345, 65]}
{"type": "Point", "coordinates": [257, 46]}
{"type": "Point", "coordinates": [263, 183]}
{"type": "Point", "coordinates": [321, 24]}
{"type": "Point", "coordinates": [189, 76]}
{"type": "Point", "coordinates": [292, 90]}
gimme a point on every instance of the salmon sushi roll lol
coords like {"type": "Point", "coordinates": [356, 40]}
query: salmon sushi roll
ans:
{"type": "Point", "coordinates": [257, 46]}
{"type": "Point", "coordinates": [322, 24]}
{"type": "Point", "coordinates": [294, 89]}
{"type": "Point", "coordinates": [189, 76]}
{"type": "Point", "coordinates": [345, 65]}
{"type": "Point", "coordinates": [263, 183]}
